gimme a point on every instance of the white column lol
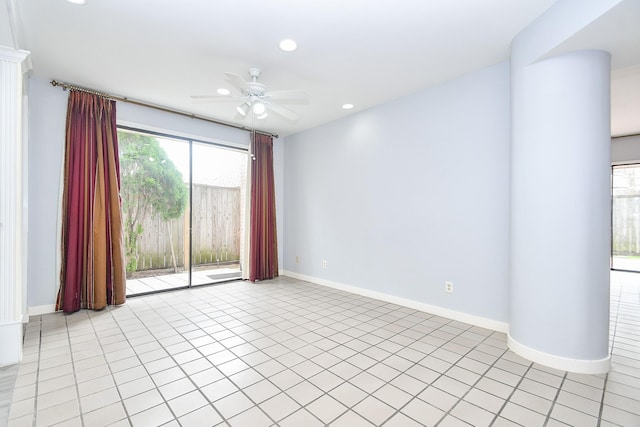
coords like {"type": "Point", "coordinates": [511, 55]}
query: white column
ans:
{"type": "Point", "coordinates": [12, 209]}
{"type": "Point", "coordinates": [560, 211]}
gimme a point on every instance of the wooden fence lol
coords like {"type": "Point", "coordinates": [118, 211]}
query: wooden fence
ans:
{"type": "Point", "coordinates": [215, 235]}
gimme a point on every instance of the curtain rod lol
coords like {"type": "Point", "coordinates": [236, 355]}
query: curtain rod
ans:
{"type": "Point", "coordinates": [68, 86]}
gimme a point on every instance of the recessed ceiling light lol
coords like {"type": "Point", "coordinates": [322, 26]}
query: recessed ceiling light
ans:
{"type": "Point", "coordinates": [347, 106]}
{"type": "Point", "coordinates": [78, 2]}
{"type": "Point", "coordinates": [223, 91]}
{"type": "Point", "coordinates": [288, 45]}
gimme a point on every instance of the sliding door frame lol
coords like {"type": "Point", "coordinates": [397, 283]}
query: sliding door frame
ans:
{"type": "Point", "coordinates": [190, 141]}
{"type": "Point", "coordinates": [613, 166]}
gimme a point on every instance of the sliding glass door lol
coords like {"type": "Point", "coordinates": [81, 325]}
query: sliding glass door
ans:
{"type": "Point", "coordinates": [182, 204]}
{"type": "Point", "coordinates": [217, 189]}
{"type": "Point", "coordinates": [625, 217]}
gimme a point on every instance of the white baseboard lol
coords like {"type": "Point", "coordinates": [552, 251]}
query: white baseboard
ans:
{"type": "Point", "coordinates": [42, 309]}
{"type": "Point", "coordinates": [479, 321]}
{"type": "Point", "coordinates": [579, 366]}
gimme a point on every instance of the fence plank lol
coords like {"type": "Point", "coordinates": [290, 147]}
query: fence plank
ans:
{"type": "Point", "coordinates": [216, 231]}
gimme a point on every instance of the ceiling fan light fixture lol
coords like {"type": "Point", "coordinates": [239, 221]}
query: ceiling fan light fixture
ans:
{"type": "Point", "coordinates": [223, 91]}
{"type": "Point", "coordinates": [262, 116]}
{"type": "Point", "coordinates": [259, 108]}
{"type": "Point", "coordinates": [347, 106]}
{"type": "Point", "coordinates": [288, 45]}
{"type": "Point", "coordinates": [78, 2]}
{"type": "Point", "coordinates": [244, 109]}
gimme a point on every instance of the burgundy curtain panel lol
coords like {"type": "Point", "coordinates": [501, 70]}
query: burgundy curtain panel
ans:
{"type": "Point", "coordinates": [263, 252]}
{"type": "Point", "coordinates": [93, 269]}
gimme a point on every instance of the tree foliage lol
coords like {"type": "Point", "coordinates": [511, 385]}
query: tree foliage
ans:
{"type": "Point", "coordinates": [150, 183]}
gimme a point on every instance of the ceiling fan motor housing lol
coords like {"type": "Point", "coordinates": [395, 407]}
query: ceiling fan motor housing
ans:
{"type": "Point", "coordinates": [255, 88]}
{"type": "Point", "coordinates": [255, 72]}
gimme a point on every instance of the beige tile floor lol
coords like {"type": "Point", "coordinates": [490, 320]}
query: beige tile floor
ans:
{"type": "Point", "coordinates": [7, 381]}
{"type": "Point", "coordinates": [290, 353]}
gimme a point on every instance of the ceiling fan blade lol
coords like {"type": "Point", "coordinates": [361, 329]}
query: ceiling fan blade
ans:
{"type": "Point", "coordinates": [237, 81]}
{"type": "Point", "coordinates": [284, 112]}
{"type": "Point", "coordinates": [289, 96]}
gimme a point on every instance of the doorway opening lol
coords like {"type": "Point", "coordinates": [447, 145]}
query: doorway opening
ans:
{"type": "Point", "coordinates": [182, 204]}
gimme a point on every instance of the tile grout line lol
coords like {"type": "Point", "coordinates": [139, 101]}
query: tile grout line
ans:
{"type": "Point", "coordinates": [613, 344]}
{"type": "Point", "coordinates": [73, 367]}
{"type": "Point", "coordinates": [165, 401]}
{"type": "Point", "coordinates": [324, 369]}
{"type": "Point", "coordinates": [35, 400]}
{"type": "Point", "coordinates": [442, 374]}
{"type": "Point", "coordinates": [189, 376]}
{"type": "Point", "coordinates": [474, 384]}
{"type": "Point", "coordinates": [93, 326]}
{"type": "Point", "coordinates": [388, 382]}
{"type": "Point", "coordinates": [604, 391]}
{"type": "Point", "coordinates": [555, 399]}
{"type": "Point", "coordinates": [508, 399]}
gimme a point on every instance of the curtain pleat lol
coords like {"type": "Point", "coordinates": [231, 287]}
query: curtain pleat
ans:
{"type": "Point", "coordinates": [92, 270]}
{"type": "Point", "coordinates": [263, 260]}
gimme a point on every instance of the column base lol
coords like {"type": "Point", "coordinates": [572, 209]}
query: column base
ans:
{"type": "Point", "coordinates": [579, 366]}
{"type": "Point", "coordinates": [11, 339]}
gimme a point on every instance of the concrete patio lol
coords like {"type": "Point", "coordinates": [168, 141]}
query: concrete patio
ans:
{"type": "Point", "coordinates": [180, 280]}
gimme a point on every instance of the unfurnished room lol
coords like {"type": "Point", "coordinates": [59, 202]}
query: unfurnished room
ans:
{"type": "Point", "coordinates": [337, 213]}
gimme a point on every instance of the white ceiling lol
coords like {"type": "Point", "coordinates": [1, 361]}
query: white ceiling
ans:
{"type": "Point", "coordinates": [365, 52]}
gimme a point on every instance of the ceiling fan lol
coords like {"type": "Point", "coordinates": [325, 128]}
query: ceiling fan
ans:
{"type": "Point", "coordinates": [256, 99]}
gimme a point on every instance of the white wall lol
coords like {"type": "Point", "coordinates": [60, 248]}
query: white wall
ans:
{"type": "Point", "coordinates": [159, 121]}
{"type": "Point", "coordinates": [47, 117]}
{"type": "Point", "coordinates": [400, 198]}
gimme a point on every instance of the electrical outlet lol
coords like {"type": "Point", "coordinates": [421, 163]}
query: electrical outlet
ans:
{"type": "Point", "coordinates": [448, 287]}
{"type": "Point", "coordinates": [324, 263]}
{"type": "Point", "coordinates": [297, 259]}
